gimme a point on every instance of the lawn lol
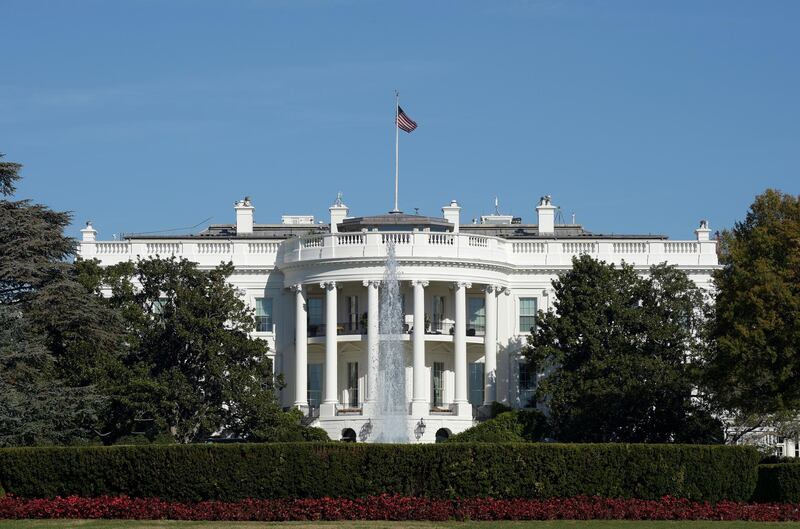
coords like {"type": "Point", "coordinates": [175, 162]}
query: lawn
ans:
{"type": "Point", "coordinates": [559, 524]}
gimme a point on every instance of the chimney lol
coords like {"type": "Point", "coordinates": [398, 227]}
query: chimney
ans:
{"type": "Point", "coordinates": [452, 214]}
{"type": "Point", "coordinates": [88, 234]}
{"type": "Point", "coordinates": [338, 213]}
{"type": "Point", "coordinates": [546, 212]}
{"type": "Point", "coordinates": [244, 216]}
{"type": "Point", "coordinates": [703, 233]}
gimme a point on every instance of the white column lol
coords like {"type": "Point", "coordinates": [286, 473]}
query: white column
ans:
{"type": "Point", "coordinates": [419, 405]}
{"type": "Point", "coordinates": [331, 398]}
{"type": "Point", "coordinates": [460, 346]}
{"type": "Point", "coordinates": [300, 348]}
{"type": "Point", "coordinates": [373, 345]}
{"type": "Point", "coordinates": [490, 346]}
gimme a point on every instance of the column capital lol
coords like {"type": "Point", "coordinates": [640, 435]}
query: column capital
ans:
{"type": "Point", "coordinates": [463, 284]}
{"type": "Point", "coordinates": [371, 283]}
{"type": "Point", "coordinates": [419, 282]}
{"type": "Point", "coordinates": [492, 288]}
{"type": "Point", "coordinates": [298, 287]}
{"type": "Point", "coordinates": [327, 285]}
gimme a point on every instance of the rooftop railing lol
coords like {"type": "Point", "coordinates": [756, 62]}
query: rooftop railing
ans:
{"type": "Point", "coordinates": [418, 244]}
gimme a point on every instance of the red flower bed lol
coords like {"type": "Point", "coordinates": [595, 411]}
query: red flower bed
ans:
{"type": "Point", "coordinates": [395, 508]}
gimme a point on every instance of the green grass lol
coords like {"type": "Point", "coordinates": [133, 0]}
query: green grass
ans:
{"type": "Point", "coordinates": [559, 524]}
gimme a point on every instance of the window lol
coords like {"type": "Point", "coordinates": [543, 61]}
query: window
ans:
{"type": "Point", "coordinates": [314, 385]}
{"type": "Point", "coordinates": [527, 384]}
{"type": "Point", "coordinates": [159, 305]}
{"type": "Point", "coordinates": [527, 314]}
{"type": "Point", "coordinates": [264, 314]}
{"type": "Point", "coordinates": [438, 385]}
{"type": "Point", "coordinates": [352, 384]}
{"type": "Point", "coordinates": [477, 316]}
{"type": "Point", "coordinates": [315, 319]}
{"type": "Point", "coordinates": [351, 303]}
{"type": "Point", "coordinates": [437, 323]}
{"type": "Point", "coordinates": [476, 383]}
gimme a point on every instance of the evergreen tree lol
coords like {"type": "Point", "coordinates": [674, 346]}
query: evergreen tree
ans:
{"type": "Point", "coordinates": [754, 368]}
{"type": "Point", "coordinates": [37, 406]}
{"type": "Point", "coordinates": [617, 356]}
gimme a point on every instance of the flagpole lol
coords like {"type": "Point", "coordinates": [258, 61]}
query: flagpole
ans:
{"type": "Point", "coordinates": [396, 148]}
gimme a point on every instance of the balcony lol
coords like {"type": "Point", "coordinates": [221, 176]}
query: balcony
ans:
{"type": "Point", "coordinates": [471, 247]}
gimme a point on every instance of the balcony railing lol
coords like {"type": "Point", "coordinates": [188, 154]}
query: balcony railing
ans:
{"type": "Point", "coordinates": [342, 328]}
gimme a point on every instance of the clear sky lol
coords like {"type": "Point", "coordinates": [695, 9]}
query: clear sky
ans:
{"type": "Point", "coordinates": [639, 116]}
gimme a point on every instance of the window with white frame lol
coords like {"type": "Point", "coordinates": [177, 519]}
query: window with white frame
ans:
{"type": "Point", "coordinates": [476, 312]}
{"type": "Point", "coordinates": [527, 315]}
{"type": "Point", "coordinates": [263, 314]}
{"type": "Point", "coordinates": [352, 313]}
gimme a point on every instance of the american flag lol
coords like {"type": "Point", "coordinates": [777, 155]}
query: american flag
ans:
{"type": "Point", "coordinates": [405, 122]}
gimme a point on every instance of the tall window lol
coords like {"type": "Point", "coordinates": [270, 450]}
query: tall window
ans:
{"type": "Point", "coordinates": [352, 384]}
{"type": "Point", "coordinates": [352, 313]}
{"type": "Point", "coordinates": [477, 316]}
{"type": "Point", "coordinates": [264, 314]}
{"type": "Point", "coordinates": [476, 383]}
{"type": "Point", "coordinates": [527, 384]}
{"type": "Point", "coordinates": [438, 313]}
{"type": "Point", "coordinates": [527, 314]}
{"type": "Point", "coordinates": [315, 318]}
{"type": "Point", "coordinates": [438, 384]}
{"type": "Point", "coordinates": [314, 385]}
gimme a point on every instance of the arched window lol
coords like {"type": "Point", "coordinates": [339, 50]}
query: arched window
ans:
{"type": "Point", "coordinates": [349, 435]}
{"type": "Point", "coordinates": [442, 434]}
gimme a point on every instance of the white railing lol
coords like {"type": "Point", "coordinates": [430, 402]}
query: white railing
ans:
{"type": "Point", "coordinates": [478, 241]}
{"type": "Point", "coordinates": [349, 239]}
{"type": "Point", "coordinates": [466, 247]}
{"type": "Point", "coordinates": [396, 237]}
{"type": "Point", "coordinates": [263, 247]}
{"type": "Point", "coordinates": [214, 247]}
{"type": "Point", "coordinates": [441, 238]}
{"type": "Point", "coordinates": [681, 247]}
{"type": "Point", "coordinates": [163, 248]}
{"type": "Point", "coordinates": [112, 248]}
{"type": "Point", "coordinates": [629, 247]}
{"type": "Point", "coordinates": [579, 247]}
{"type": "Point", "coordinates": [528, 247]}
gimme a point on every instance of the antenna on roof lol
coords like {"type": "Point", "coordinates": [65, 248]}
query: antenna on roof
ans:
{"type": "Point", "coordinates": [123, 235]}
{"type": "Point", "coordinates": [573, 217]}
{"type": "Point", "coordinates": [496, 205]}
{"type": "Point", "coordinates": [559, 215]}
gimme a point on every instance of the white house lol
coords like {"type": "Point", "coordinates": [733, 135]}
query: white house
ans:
{"type": "Point", "coordinates": [474, 289]}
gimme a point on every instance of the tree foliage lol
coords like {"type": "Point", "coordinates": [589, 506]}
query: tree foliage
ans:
{"type": "Point", "coordinates": [37, 404]}
{"type": "Point", "coordinates": [191, 368]}
{"type": "Point", "coordinates": [617, 356]}
{"type": "Point", "coordinates": [754, 367]}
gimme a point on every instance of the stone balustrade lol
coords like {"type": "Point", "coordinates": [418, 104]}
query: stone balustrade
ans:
{"type": "Point", "coordinates": [418, 244]}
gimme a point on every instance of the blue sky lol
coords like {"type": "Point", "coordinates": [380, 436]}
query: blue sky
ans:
{"type": "Point", "coordinates": [640, 117]}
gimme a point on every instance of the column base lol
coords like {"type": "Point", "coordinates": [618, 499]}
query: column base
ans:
{"type": "Point", "coordinates": [420, 408]}
{"type": "Point", "coordinates": [327, 409]}
{"type": "Point", "coordinates": [302, 406]}
{"type": "Point", "coordinates": [463, 409]}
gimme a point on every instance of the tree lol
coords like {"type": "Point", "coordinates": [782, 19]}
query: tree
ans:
{"type": "Point", "coordinates": [753, 370]}
{"type": "Point", "coordinates": [617, 356]}
{"type": "Point", "coordinates": [192, 367]}
{"type": "Point", "coordinates": [37, 406]}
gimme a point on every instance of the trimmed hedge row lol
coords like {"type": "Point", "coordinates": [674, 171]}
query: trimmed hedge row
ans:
{"type": "Point", "coordinates": [314, 470]}
{"type": "Point", "coordinates": [778, 483]}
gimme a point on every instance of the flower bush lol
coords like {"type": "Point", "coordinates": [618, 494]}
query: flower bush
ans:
{"type": "Point", "coordinates": [388, 507]}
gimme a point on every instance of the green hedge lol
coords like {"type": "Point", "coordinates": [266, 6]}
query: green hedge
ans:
{"type": "Point", "coordinates": [234, 472]}
{"type": "Point", "coordinates": [778, 483]}
{"type": "Point", "coordinates": [516, 426]}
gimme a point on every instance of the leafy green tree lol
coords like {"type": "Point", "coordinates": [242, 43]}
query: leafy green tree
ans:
{"type": "Point", "coordinates": [754, 367]}
{"type": "Point", "coordinates": [192, 367]}
{"type": "Point", "coordinates": [617, 356]}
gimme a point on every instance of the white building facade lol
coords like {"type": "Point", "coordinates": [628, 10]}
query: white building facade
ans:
{"type": "Point", "coordinates": [470, 296]}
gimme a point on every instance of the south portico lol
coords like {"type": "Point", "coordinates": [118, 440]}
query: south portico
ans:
{"type": "Point", "coordinates": [446, 338]}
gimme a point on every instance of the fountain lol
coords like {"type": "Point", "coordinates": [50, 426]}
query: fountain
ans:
{"type": "Point", "coordinates": [391, 411]}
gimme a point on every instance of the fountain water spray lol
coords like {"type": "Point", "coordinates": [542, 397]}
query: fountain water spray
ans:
{"type": "Point", "coordinates": [390, 408]}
